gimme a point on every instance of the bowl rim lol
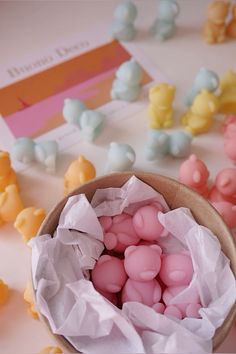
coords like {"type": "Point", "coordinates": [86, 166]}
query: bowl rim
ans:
{"type": "Point", "coordinates": [222, 331]}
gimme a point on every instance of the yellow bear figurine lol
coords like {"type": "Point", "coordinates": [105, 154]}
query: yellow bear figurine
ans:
{"type": "Point", "coordinates": [160, 108]}
{"type": "Point", "coordinates": [51, 350]}
{"type": "Point", "coordinates": [199, 118]}
{"type": "Point", "coordinates": [28, 222]}
{"type": "Point", "coordinates": [10, 204]}
{"type": "Point", "coordinates": [7, 174]}
{"type": "Point", "coordinates": [4, 292]}
{"type": "Point", "coordinates": [28, 297]}
{"type": "Point", "coordinates": [79, 172]}
{"type": "Point", "coordinates": [227, 98]}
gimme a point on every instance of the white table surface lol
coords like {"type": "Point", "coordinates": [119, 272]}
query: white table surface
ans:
{"type": "Point", "coordinates": [36, 25]}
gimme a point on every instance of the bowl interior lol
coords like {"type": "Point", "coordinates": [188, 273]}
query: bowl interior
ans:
{"type": "Point", "coordinates": [176, 195]}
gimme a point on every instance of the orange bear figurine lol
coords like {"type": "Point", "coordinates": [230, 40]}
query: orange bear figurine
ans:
{"type": "Point", "coordinates": [215, 28]}
{"type": "Point", "coordinates": [10, 204]}
{"type": "Point", "coordinates": [28, 297]}
{"type": "Point", "coordinates": [4, 292]}
{"type": "Point", "coordinates": [7, 174]}
{"type": "Point", "coordinates": [28, 222]}
{"type": "Point", "coordinates": [231, 27]}
{"type": "Point", "coordinates": [79, 172]}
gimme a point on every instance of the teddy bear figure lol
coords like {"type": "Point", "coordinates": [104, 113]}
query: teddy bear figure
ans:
{"type": "Point", "coordinates": [121, 157]}
{"type": "Point", "coordinates": [160, 107]}
{"type": "Point", "coordinates": [199, 118]}
{"type": "Point", "coordinates": [28, 222]}
{"type": "Point", "coordinates": [123, 27]}
{"type": "Point", "coordinates": [215, 28]}
{"type": "Point", "coordinates": [231, 27]}
{"type": "Point", "coordinates": [10, 204]}
{"type": "Point", "coordinates": [7, 174]}
{"type": "Point", "coordinates": [224, 188]}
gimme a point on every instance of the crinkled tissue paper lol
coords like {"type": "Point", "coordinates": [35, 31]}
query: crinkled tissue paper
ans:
{"type": "Point", "coordinates": [75, 310]}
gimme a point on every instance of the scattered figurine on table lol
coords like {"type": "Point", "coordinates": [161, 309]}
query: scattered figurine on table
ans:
{"type": "Point", "coordinates": [10, 204]}
{"type": "Point", "coordinates": [4, 292]}
{"type": "Point", "coordinates": [160, 144]}
{"type": "Point", "coordinates": [227, 97]}
{"type": "Point", "coordinates": [79, 172]}
{"type": "Point", "coordinates": [28, 222]}
{"type": "Point", "coordinates": [121, 157]}
{"type": "Point", "coordinates": [205, 80]}
{"type": "Point", "coordinates": [28, 297]}
{"type": "Point", "coordinates": [160, 109]}
{"type": "Point", "coordinates": [199, 118]}
{"type": "Point", "coordinates": [91, 124]}
{"type": "Point", "coordinates": [215, 28]}
{"type": "Point", "coordinates": [194, 174]}
{"type": "Point", "coordinates": [164, 26]}
{"type": "Point", "coordinates": [72, 110]}
{"type": "Point", "coordinates": [7, 174]}
{"type": "Point", "coordinates": [127, 85]}
{"type": "Point", "coordinates": [123, 27]}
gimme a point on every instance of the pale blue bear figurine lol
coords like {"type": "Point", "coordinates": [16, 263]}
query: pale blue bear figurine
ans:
{"type": "Point", "coordinates": [205, 79]}
{"type": "Point", "coordinates": [127, 85]}
{"type": "Point", "coordinates": [123, 25]}
{"type": "Point", "coordinates": [91, 124]}
{"type": "Point", "coordinates": [121, 157]}
{"type": "Point", "coordinates": [23, 150]}
{"type": "Point", "coordinates": [164, 26]}
{"type": "Point", "coordinates": [72, 110]}
{"type": "Point", "coordinates": [180, 144]}
{"type": "Point", "coordinates": [46, 153]}
{"type": "Point", "coordinates": [157, 144]}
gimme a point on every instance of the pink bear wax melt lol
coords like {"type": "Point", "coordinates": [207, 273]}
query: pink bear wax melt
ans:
{"type": "Point", "coordinates": [109, 274]}
{"type": "Point", "coordinates": [146, 223]}
{"type": "Point", "coordinates": [224, 188]}
{"type": "Point", "coordinates": [148, 292]}
{"type": "Point", "coordinates": [142, 263]}
{"type": "Point", "coordinates": [176, 269]}
{"type": "Point", "coordinates": [119, 232]}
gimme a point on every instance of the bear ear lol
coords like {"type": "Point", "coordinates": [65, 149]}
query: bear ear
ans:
{"type": "Point", "coordinates": [193, 158]}
{"type": "Point", "coordinates": [156, 248]}
{"type": "Point", "coordinates": [103, 259]}
{"type": "Point", "coordinates": [130, 250]}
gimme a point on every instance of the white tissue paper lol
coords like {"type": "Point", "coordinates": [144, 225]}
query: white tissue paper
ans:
{"type": "Point", "coordinates": [74, 309]}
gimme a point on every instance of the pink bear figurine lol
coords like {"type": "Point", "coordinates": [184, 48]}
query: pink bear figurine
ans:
{"type": "Point", "coordinates": [176, 269]}
{"type": "Point", "coordinates": [119, 232]}
{"type": "Point", "coordinates": [194, 173]}
{"type": "Point", "coordinates": [148, 292]}
{"type": "Point", "coordinates": [228, 212]}
{"type": "Point", "coordinates": [146, 223]}
{"type": "Point", "coordinates": [142, 263]}
{"type": "Point", "coordinates": [109, 274]}
{"type": "Point", "coordinates": [224, 188]}
{"type": "Point", "coordinates": [179, 310]}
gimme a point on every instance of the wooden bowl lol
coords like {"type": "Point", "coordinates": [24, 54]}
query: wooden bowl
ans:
{"type": "Point", "coordinates": [176, 195]}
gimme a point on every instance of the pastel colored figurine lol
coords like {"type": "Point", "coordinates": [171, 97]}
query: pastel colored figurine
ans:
{"type": "Point", "coordinates": [228, 212]}
{"type": "Point", "coordinates": [123, 27]}
{"type": "Point", "coordinates": [215, 28]}
{"type": "Point", "coordinates": [194, 173]}
{"type": "Point", "coordinates": [205, 80]}
{"type": "Point", "coordinates": [146, 292]}
{"type": "Point", "coordinates": [142, 263]}
{"type": "Point", "coordinates": [146, 223]}
{"type": "Point", "coordinates": [51, 350]}
{"type": "Point", "coordinates": [28, 222]}
{"type": "Point", "coordinates": [180, 310]}
{"type": "Point", "coordinates": [127, 85]}
{"type": "Point", "coordinates": [224, 188]}
{"type": "Point", "coordinates": [160, 109]}
{"type": "Point", "coordinates": [176, 269]}
{"type": "Point", "coordinates": [72, 110]}
{"type": "Point", "coordinates": [7, 174]}
{"type": "Point", "coordinates": [180, 144]}
{"type": "Point", "coordinates": [46, 153]}
{"type": "Point", "coordinates": [199, 118]}
{"type": "Point", "coordinates": [121, 157]}
{"type": "Point", "coordinates": [79, 172]}
{"type": "Point", "coordinates": [157, 145]}
{"type": "Point", "coordinates": [109, 274]}
{"type": "Point", "coordinates": [164, 26]}
{"type": "Point", "coordinates": [91, 124]}
{"type": "Point", "coordinates": [23, 150]}
{"type": "Point", "coordinates": [28, 297]}
{"type": "Point", "coordinates": [119, 232]}
{"type": "Point", "coordinates": [4, 292]}
{"type": "Point", "coordinates": [10, 204]}
{"type": "Point", "coordinates": [227, 98]}
{"type": "Point", "coordinates": [231, 26]}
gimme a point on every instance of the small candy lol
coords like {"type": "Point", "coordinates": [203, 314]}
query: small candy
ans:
{"type": "Point", "coordinates": [91, 124]}
{"type": "Point", "coordinates": [146, 292]}
{"type": "Point", "coordinates": [109, 274]}
{"type": "Point", "coordinates": [123, 25]}
{"type": "Point", "coordinates": [4, 292]}
{"type": "Point", "coordinates": [10, 204]}
{"type": "Point", "coordinates": [72, 110]}
{"type": "Point", "coordinates": [51, 350]}
{"type": "Point", "coordinates": [46, 153]}
{"type": "Point", "coordinates": [142, 263]}
{"type": "Point", "coordinates": [23, 150]}
{"type": "Point", "coordinates": [7, 174]}
{"type": "Point", "coordinates": [28, 222]}
{"type": "Point", "coordinates": [28, 297]}
{"type": "Point", "coordinates": [121, 157]}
